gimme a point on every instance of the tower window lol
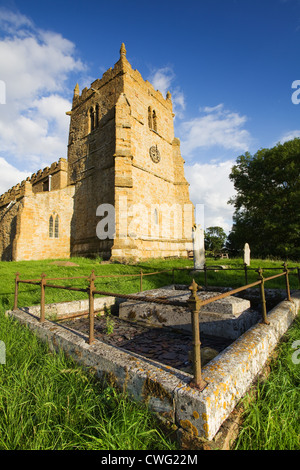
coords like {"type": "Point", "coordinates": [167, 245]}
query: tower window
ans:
{"type": "Point", "coordinates": [152, 119]}
{"type": "Point", "coordinates": [97, 115]}
{"type": "Point", "coordinates": [91, 120]}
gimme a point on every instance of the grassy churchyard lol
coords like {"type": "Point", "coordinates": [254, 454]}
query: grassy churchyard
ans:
{"type": "Point", "coordinates": [47, 401]}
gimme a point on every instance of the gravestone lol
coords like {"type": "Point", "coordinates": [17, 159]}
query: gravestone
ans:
{"type": "Point", "coordinates": [247, 254]}
{"type": "Point", "coordinates": [198, 247]}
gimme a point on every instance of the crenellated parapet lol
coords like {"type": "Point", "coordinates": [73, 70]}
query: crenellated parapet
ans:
{"type": "Point", "coordinates": [49, 179]}
{"type": "Point", "coordinates": [121, 67]}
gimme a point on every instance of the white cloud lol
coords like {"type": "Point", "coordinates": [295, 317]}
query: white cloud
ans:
{"type": "Point", "coordinates": [10, 176]}
{"type": "Point", "coordinates": [40, 133]}
{"type": "Point", "coordinates": [290, 135]}
{"type": "Point", "coordinates": [215, 127]}
{"type": "Point", "coordinates": [35, 65]}
{"type": "Point", "coordinates": [210, 186]}
{"type": "Point", "coordinates": [10, 21]}
{"type": "Point", "coordinates": [162, 79]}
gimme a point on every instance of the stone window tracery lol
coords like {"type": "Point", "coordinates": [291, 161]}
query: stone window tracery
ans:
{"type": "Point", "coordinates": [51, 226]}
{"type": "Point", "coordinates": [97, 115]}
{"type": "Point", "coordinates": [56, 227]}
{"type": "Point", "coordinates": [152, 119]}
{"type": "Point", "coordinates": [91, 119]}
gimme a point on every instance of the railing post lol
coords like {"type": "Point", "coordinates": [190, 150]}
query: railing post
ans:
{"type": "Point", "coordinates": [91, 289]}
{"type": "Point", "coordinates": [141, 281]}
{"type": "Point", "coordinates": [246, 273]}
{"type": "Point", "coordinates": [194, 304]}
{"type": "Point", "coordinates": [16, 291]}
{"type": "Point", "coordinates": [173, 276]}
{"type": "Point", "coordinates": [288, 292]}
{"type": "Point", "coordinates": [43, 285]}
{"type": "Point", "coordinates": [263, 297]}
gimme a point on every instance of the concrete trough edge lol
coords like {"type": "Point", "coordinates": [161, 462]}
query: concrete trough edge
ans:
{"type": "Point", "coordinates": [167, 390]}
{"type": "Point", "coordinates": [58, 309]}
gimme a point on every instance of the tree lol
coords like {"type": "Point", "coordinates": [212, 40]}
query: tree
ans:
{"type": "Point", "coordinates": [214, 238]}
{"type": "Point", "coordinates": [267, 203]}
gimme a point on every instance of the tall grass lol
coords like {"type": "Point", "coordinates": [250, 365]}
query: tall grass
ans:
{"type": "Point", "coordinates": [271, 416]}
{"type": "Point", "coordinates": [47, 402]}
{"type": "Point", "coordinates": [30, 295]}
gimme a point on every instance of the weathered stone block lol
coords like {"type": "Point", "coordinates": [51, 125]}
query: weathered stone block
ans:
{"type": "Point", "coordinates": [229, 317]}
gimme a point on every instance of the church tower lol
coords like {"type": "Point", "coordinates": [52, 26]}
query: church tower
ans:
{"type": "Point", "coordinates": [131, 198]}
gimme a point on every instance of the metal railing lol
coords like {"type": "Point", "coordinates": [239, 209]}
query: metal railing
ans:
{"type": "Point", "coordinates": [194, 303]}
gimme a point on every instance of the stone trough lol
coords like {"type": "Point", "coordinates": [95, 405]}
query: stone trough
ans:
{"type": "Point", "coordinates": [196, 415]}
{"type": "Point", "coordinates": [227, 318]}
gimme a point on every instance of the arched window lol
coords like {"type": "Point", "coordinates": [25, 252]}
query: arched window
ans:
{"type": "Point", "coordinates": [155, 217]}
{"type": "Point", "coordinates": [154, 121]}
{"type": "Point", "coordinates": [97, 115]}
{"type": "Point", "coordinates": [91, 120]}
{"type": "Point", "coordinates": [150, 117]}
{"type": "Point", "coordinates": [56, 228]}
{"type": "Point", "coordinates": [51, 226]}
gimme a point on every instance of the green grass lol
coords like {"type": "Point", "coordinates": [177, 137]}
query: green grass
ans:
{"type": "Point", "coordinates": [271, 417]}
{"type": "Point", "coordinates": [30, 295]}
{"type": "Point", "coordinates": [48, 402]}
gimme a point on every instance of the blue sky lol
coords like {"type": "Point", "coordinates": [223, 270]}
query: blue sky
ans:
{"type": "Point", "coordinates": [229, 65]}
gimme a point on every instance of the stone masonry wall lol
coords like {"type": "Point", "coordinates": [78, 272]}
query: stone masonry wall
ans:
{"type": "Point", "coordinates": [8, 229]}
{"type": "Point", "coordinates": [91, 160]}
{"type": "Point", "coordinates": [155, 192]}
{"type": "Point", "coordinates": [33, 241]}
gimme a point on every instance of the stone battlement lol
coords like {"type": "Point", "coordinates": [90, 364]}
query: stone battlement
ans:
{"type": "Point", "coordinates": [37, 181]}
{"type": "Point", "coordinates": [122, 66]}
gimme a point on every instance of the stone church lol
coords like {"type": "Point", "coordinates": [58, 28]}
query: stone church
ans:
{"type": "Point", "coordinates": [120, 194]}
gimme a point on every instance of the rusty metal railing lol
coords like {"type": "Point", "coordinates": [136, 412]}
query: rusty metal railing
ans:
{"type": "Point", "coordinates": [194, 303]}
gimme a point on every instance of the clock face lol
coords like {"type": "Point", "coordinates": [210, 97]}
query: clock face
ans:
{"type": "Point", "coordinates": [154, 154]}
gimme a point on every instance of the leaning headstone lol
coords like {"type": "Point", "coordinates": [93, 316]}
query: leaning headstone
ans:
{"type": "Point", "coordinates": [198, 247]}
{"type": "Point", "coordinates": [247, 254]}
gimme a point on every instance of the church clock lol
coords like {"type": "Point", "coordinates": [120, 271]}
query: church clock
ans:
{"type": "Point", "coordinates": [154, 154]}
